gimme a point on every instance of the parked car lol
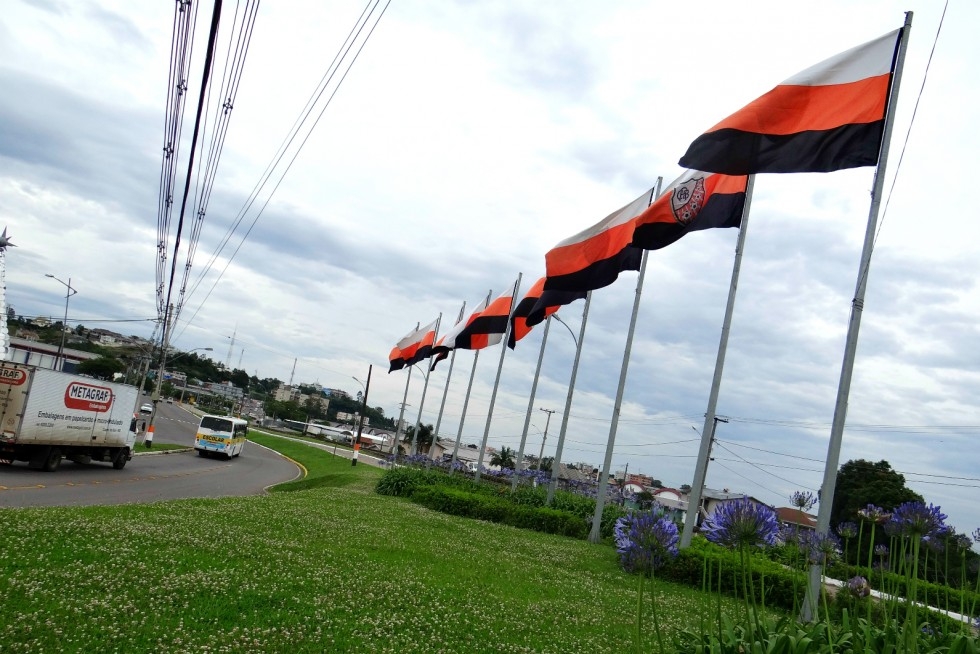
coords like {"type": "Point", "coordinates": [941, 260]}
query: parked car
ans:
{"type": "Point", "coordinates": [146, 408]}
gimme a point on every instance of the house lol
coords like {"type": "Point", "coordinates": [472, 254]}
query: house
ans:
{"type": "Point", "coordinates": [468, 454]}
{"type": "Point", "coordinates": [793, 517]}
{"type": "Point", "coordinates": [43, 355]}
{"type": "Point", "coordinates": [712, 499]}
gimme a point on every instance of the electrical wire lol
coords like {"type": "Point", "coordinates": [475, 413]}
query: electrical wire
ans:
{"type": "Point", "coordinates": [292, 159]}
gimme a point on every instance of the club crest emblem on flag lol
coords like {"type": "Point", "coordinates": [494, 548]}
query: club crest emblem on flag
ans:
{"type": "Point", "coordinates": [687, 199]}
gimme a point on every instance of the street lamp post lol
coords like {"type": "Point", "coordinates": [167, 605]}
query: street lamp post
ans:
{"type": "Point", "coordinates": [60, 361]}
{"type": "Point", "coordinates": [360, 423]}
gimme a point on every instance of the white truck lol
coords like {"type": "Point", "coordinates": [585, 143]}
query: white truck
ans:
{"type": "Point", "coordinates": [46, 415]}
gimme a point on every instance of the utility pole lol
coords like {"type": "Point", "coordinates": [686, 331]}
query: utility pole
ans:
{"type": "Point", "coordinates": [360, 423]}
{"type": "Point", "coordinates": [545, 435]}
{"type": "Point", "coordinates": [711, 445]}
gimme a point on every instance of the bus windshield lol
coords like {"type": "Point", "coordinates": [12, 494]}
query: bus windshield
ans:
{"type": "Point", "coordinates": [216, 424]}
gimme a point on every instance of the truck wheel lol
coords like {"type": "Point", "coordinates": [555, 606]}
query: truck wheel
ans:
{"type": "Point", "coordinates": [53, 461]}
{"type": "Point", "coordinates": [122, 456]}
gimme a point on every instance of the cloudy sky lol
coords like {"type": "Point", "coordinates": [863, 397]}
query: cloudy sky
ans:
{"type": "Point", "coordinates": [467, 140]}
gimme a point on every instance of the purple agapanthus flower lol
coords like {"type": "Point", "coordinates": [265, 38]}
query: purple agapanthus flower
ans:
{"type": "Point", "coordinates": [790, 533]}
{"type": "Point", "coordinates": [976, 535]}
{"type": "Point", "coordinates": [803, 500]}
{"type": "Point", "coordinates": [875, 514]}
{"type": "Point", "coordinates": [645, 540]}
{"type": "Point", "coordinates": [742, 523]}
{"type": "Point", "coordinates": [917, 519]}
{"type": "Point", "coordinates": [859, 587]}
{"type": "Point", "coordinates": [823, 547]}
{"type": "Point", "coordinates": [847, 530]}
{"type": "Point", "coordinates": [881, 550]}
{"type": "Point", "coordinates": [934, 543]}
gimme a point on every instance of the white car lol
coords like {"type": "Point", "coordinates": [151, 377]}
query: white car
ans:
{"type": "Point", "coordinates": [146, 408]}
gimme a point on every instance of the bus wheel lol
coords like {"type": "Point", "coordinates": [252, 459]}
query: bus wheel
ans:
{"type": "Point", "coordinates": [119, 461]}
{"type": "Point", "coordinates": [53, 462]}
{"type": "Point", "coordinates": [202, 453]}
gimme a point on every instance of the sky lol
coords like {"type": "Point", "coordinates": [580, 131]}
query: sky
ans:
{"type": "Point", "coordinates": [469, 138]}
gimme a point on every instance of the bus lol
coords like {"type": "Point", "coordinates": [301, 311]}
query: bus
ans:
{"type": "Point", "coordinates": [220, 435]}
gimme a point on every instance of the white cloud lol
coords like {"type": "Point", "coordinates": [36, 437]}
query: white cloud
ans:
{"type": "Point", "coordinates": [467, 140]}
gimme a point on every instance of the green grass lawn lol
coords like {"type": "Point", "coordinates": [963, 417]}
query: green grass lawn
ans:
{"type": "Point", "coordinates": [331, 567]}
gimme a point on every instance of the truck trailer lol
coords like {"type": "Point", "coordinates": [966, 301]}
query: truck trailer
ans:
{"type": "Point", "coordinates": [47, 415]}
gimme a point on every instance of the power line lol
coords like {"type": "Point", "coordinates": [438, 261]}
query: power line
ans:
{"type": "Point", "coordinates": [761, 469]}
{"type": "Point", "coordinates": [294, 132]}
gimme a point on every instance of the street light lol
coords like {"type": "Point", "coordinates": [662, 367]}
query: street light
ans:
{"type": "Point", "coordinates": [555, 316]}
{"type": "Point", "coordinates": [64, 325]}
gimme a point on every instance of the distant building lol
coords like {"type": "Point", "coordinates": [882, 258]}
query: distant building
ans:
{"type": "Point", "coordinates": [225, 389]}
{"type": "Point", "coordinates": [43, 355]}
{"type": "Point", "coordinates": [793, 517]}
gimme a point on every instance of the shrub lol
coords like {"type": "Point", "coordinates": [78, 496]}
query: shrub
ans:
{"type": "Point", "coordinates": [481, 506]}
{"type": "Point", "coordinates": [403, 481]}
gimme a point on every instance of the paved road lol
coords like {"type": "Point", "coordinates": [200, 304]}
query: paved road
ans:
{"type": "Point", "coordinates": [148, 477]}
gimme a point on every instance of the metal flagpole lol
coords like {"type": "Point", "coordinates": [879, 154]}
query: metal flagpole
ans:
{"type": "Point", "coordinates": [530, 407]}
{"type": "Point", "coordinates": [401, 417]}
{"type": "Point", "coordinates": [600, 499]}
{"type": "Point", "coordinates": [854, 326]}
{"type": "Point", "coordinates": [496, 383]}
{"type": "Point", "coordinates": [556, 464]}
{"type": "Point", "coordinates": [462, 417]}
{"type": "Point", "coordinates": [401, 414]}
{"type": "Point", "coordinates": [425, 387]}
{"type": "Point", "coordinates": [466, 400]}
{"type": "Point", "coordinates": [701, 467]}
{"type": "Point", "coordinates": [445, 390]}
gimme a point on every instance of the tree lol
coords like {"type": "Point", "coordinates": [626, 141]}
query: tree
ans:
{"type": "Point", "coordinates": [239, 378]}
{"type": "Point", "coordinates": [424, 439]}
{"type": "Point", "coordinates": [101, 368]}
{"type": "Point", "coordinates": [861, 482]}
{"type": "Point", "coordinates": [545, 463]}
{"type": "Point", "coordinates": [685, 488]}
{"type": "Point", "coordinates": [504, 458]}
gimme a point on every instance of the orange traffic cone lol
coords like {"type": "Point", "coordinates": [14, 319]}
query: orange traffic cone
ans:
{"type": "Point", "coordinates": [148, 439]}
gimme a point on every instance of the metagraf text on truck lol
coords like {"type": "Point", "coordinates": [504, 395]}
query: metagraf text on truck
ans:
{"type": "Point", "coordinates": [46, 415]}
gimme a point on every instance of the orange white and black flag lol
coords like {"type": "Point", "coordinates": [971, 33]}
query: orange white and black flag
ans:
{"type": "Point", "coordinates": [829, 117]}
{"type": "Point", "coordinates": [483, 328]}
{"type": "Point", "coordinates": [414, 347]}
{"type": "Point", "coordinates": [594, 257]}
{"type": "Point", "coordinates": [535, 306]}
{"type": "Point", "coordinates": [694, 201]}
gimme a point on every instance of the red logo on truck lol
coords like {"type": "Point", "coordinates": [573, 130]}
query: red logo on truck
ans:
{"type": "Point", "coordinates": [13, 376]}
{"type": "Point", "coordinates": [88, 397]}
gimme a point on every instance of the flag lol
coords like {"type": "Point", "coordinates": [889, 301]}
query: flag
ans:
{"type": "Point", "coordinates": [483, 328]}
{"type": "Point", "coordinates": [415, 347]}
{"type": "Point", "coordinates": [694, 201]}
{"type": "Point", "coordinates": [829, 117]}
{"type": "Point", "coordinates": [594, 257]}
{"type": "Point", "coordinates": [537, 304]}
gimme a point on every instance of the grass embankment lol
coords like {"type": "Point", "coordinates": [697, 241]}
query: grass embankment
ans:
{"type": "Point", "coordinates": [334, 568]}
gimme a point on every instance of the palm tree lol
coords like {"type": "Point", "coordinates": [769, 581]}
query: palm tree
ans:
{"type": "Point", "coordinates": [424, 439]}
{"type": "Point", "coordinates": [504, 458]}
